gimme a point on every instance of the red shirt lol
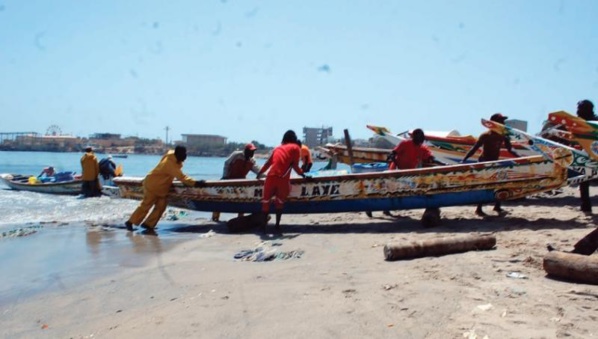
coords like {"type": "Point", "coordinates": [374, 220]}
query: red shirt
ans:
{"type": "Point", "coordinates": [409, 155]}
{"type": "Point", "coordinates": [284, 157]}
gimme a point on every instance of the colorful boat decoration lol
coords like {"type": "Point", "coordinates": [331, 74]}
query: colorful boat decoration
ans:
{"type": "Point", "coordinates": [585, 133]}
{"type": "Point", "coordinates": [450, 149]}
{"type": "Point", "coordinates": [390, 190]}
{"type": "Point", "coordinates": [581, 166]}
{"type": "Point", "coordinates": [361, 155]}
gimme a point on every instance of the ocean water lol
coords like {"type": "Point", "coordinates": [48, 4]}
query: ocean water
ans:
{"type": "Point", "coordinates": [19, 207]}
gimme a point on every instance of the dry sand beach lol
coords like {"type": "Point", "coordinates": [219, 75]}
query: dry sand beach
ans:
{"type": "Point", "coordinates": [186, 283]}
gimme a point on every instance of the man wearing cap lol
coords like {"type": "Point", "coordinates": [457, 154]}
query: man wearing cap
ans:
{"type": "Point", "coordinates": [491, 143]}
{"type": "Point", "coordinates": [90, 169]}
{"type": "Point", "coordinates": [238, 164]}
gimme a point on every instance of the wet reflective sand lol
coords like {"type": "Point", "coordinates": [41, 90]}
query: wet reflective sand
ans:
{"type": "Point", "coordinates": [57, 257]}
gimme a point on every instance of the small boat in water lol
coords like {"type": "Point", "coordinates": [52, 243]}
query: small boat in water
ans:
{"type": "Point", "coordinates": [124, 156]}
{"type": "Point", "coordinates": [65, 183]}
{"type": "Point", "coordinates": [60, 183]}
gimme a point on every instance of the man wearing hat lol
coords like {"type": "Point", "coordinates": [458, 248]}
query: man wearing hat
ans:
{"type": "Point", "coordinates": [491, 143]}
{"type": "Point", "coordinates": [238, 164]}
{"type": "Point", "coordinates": [90, 169]}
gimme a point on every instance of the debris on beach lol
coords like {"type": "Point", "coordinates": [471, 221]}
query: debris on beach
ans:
{"type": "Point", "coordinates": [20, 232]}
{"type": "Point", "coordinates": [173, 214]}
{"type": "Point", "coordinates": [266, 252]}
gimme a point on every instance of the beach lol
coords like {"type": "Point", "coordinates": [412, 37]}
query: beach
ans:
{"type": "Point", "coordinates": [102, 281]}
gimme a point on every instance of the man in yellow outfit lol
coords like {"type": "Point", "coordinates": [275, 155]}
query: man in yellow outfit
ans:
{"type": "Point", "coordinates": [156, 186]}
{"type": "Point", "coordinates": [90, 169]}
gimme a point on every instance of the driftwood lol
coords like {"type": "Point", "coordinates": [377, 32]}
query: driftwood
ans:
{"type": "Point", "coordinates": [572, 267]}
{"type": "Point", "coordinates": [437, 247]}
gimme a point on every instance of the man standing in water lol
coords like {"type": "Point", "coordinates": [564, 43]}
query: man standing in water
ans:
{"type": "Point", "coordinates": [278, 179]}
{"type": "Point", "coordinates": [156, 186]}
{"type": "Point", "coordinates": [90, 169]}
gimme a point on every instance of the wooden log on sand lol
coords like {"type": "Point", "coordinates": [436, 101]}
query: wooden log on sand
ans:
{"type": "Point", "coordinates": [440, 246]}
{"type": "Point", "coordinates": [572, 267]}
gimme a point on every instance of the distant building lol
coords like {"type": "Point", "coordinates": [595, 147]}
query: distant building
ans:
{"type": "Point", "coordinates": [203, 140]}
{"type": "Point", "coordinates": [518, 124]}
{"type": "Point", "coordinates": [316, 136]}
{"type": "Point", "coordinates": [104, 136]}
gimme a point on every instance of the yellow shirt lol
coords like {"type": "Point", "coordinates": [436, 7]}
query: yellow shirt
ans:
{"type": "Point", "coordinates": [159, 180]}
{"type": "Point", "coordinates": [89, 167]}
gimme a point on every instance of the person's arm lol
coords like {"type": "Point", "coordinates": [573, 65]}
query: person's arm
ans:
{"type": "Point", "coordinates": [254, 167]}
{"type": "Point", "coordinates": [265, 167]}
{"type": "Point", "coordinates": [509, 147]}
{"type": "Point", "coordinates": [174, 170]}
{"type": "Point", "coordinates": [475, 147]}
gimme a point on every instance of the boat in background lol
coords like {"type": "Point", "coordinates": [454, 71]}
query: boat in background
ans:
{"type": "Point", "coordinates": [60, 183]}
{"type": "Point", "coordinates": [65, 183]}
{"type": "Point", "coordinates": [449, 147]}
{"type": "Point", "coordinates": [124, 156]}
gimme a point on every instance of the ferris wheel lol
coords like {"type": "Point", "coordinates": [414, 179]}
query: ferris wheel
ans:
{"type": "Point", "coordinates": [54, 130]}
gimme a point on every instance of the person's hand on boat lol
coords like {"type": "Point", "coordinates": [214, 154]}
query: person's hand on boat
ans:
{"type": "Point", "coordinates": [308, 177]}
{"type": "Point", "coordinates": [200, 183]}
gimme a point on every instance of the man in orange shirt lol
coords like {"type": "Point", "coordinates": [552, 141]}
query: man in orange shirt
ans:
{"type": "Point", "coordinates": [278, 178]}
{"type": "Point", "coordinates": [411, 153]}
{"type": "Point", "coordinates": [90, 169]}
{"type": "Point", "coordinates": [306, 161]}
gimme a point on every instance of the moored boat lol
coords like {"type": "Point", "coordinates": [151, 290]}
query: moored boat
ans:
{"type": "Point", "coordinates": [24, 183]}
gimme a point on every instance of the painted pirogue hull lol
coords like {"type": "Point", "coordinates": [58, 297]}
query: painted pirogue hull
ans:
{"type": "Point", "coordinates": [21, 183]}
{"type": "Point", "coordinates": [452, 149]}
{"type": "Point", "coordinates": [391, 190]}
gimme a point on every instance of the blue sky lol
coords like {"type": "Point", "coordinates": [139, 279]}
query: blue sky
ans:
{"type": "Point", "coordinates": [250, 70]}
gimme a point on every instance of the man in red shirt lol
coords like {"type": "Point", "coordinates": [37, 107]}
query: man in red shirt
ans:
{"type": "Point", "coordinates": [278, 178]}
{"type": "Point", "coordinates": [411, 153]}
{"type": "Point", "coordinates": [491, 142]}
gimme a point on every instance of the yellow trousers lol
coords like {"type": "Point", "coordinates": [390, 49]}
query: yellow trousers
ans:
{"type": "Point", "coordinates": [149, 199]}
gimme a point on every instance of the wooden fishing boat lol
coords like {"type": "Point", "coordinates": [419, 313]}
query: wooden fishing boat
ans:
{"type": "Point", "coordinates": [70, 186]}
{"type": "Point", "coordinates": [391, 190]}
{"type": "Point", "coordinates": [23, 183]}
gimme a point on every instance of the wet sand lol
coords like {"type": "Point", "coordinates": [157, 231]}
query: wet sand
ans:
{"type": "Point", "coordinates": [106, 282]}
